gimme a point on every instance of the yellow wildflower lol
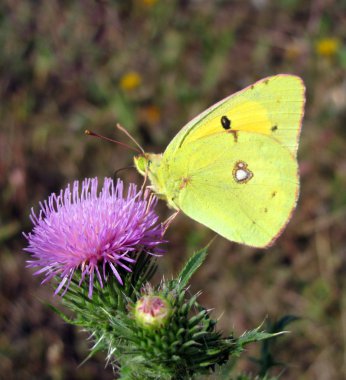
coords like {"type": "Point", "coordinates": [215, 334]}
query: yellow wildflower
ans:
{"type": "Point", "coordinates": [130, 81]}
{"type": "Point", "coordinates": [327, 47]}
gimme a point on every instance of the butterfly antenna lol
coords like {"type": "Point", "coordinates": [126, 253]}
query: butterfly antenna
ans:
{"type": "Point", "coordinates": [91, 133]}
{"type": "Point", "coordinates": [122, 129]}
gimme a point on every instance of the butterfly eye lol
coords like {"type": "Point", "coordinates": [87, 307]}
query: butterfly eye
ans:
{"type": "Point", "coordinates": [226, 122]}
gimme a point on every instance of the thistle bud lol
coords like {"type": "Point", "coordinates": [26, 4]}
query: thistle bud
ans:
{"type": "Point", "coordinates": [152, 311]}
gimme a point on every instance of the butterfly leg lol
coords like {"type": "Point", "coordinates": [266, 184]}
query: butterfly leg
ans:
{"type": "Point", "coordinates": [144, 182]}
{"type": "Point", "coordinates": [168, 221]}
{"type": "Point", "coordinates": [150, 201]}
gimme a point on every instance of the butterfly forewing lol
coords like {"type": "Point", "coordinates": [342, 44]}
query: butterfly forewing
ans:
{"type": "Point", "coordinates": [273, 106]}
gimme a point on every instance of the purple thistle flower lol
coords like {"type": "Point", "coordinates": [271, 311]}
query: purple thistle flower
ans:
{"type": "Point", "coordinates": [89, 231]}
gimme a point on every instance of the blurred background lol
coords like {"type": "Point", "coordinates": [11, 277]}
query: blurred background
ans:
{"type": "Point", "coordinates": [152, 65]}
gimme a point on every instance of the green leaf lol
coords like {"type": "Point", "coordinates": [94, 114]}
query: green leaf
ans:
{"type": "Point", "coordinates": [255, 336]}
{"type": "Point", "coordinates": [190, 267]}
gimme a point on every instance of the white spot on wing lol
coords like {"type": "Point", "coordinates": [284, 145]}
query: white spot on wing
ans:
{"type": "Point", "coordinates": [241, 174]}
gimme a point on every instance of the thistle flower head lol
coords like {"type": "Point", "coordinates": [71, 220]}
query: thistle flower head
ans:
{"type": "Point", "coordinates": [93, 232]}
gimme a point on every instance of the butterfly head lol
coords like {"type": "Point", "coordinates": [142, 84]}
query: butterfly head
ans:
{"type": "Point", "coordinates": [141, 163]}
{"type": "Point", "coordinates": [148, 164]}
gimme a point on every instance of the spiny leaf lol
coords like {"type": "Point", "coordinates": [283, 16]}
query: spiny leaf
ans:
{"type": "Point", "coordinates": [256, 336]}
{"type": "Point", "coordinates": [98, 346]}
{"type": "Point", "coordinates": [190, 267]}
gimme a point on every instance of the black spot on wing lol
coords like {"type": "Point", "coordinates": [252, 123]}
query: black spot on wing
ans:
{"type": "Point", "coordinates": [274, 128]}
{"type": "Point", "coordinates": [226, 122]}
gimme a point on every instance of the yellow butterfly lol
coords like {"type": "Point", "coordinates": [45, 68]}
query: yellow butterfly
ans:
{"type": "Point", "coordinates": [234, 167]}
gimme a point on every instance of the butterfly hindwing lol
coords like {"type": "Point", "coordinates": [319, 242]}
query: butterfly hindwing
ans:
{"type": "Point", "coordinates": [243, 188]}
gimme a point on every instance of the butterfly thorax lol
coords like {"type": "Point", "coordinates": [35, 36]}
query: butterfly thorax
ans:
{"type": "Point", "coordinates": [149, 164]}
